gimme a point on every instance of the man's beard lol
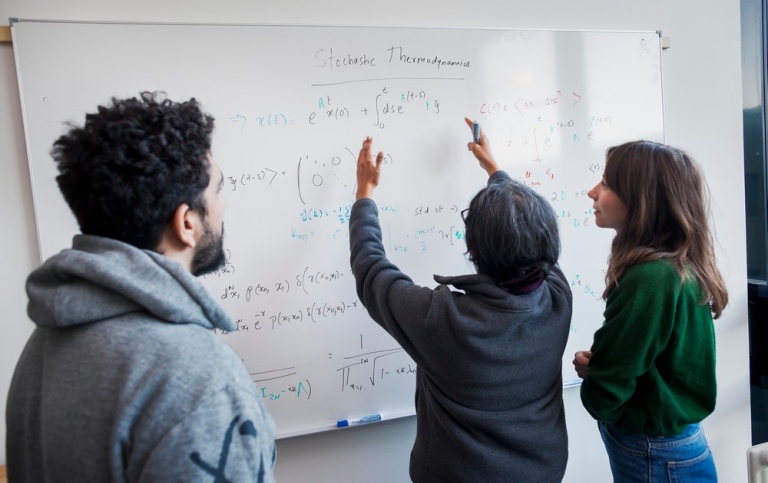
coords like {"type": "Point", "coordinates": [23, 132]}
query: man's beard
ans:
{"type": "Point", "coordinates": [210, 256]}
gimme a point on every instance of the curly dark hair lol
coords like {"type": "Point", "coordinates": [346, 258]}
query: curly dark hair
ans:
{"type": "Point", "coordinates": [511, 232]}
{"type": "Point", "coordinates": [126, 171]}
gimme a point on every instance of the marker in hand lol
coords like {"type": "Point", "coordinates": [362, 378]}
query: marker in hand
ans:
{"type": "Point", "coordinates": [475, 131]}
{"type": "Point", "coordinates": [354, 422]}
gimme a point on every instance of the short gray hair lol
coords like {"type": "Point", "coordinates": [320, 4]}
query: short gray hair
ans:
{"type": "Point", "coordinates": [511, 231]}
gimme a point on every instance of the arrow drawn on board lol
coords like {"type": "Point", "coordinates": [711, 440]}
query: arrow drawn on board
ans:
{"type": "Point", "coordinates": [239, 118]}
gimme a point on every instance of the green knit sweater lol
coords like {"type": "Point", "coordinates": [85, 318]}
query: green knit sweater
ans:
{"type": "Point", "coordinates": [653, 361]}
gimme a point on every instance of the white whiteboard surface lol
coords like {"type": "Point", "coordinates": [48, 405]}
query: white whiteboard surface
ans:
{"type": "Point", "coordinates": [292, 106]}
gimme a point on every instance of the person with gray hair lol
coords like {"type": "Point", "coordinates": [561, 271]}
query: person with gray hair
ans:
{"type": "Point", "coordinates": [489, 389]}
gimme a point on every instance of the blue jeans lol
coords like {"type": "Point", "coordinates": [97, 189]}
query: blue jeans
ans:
{"type": "Point", "coordinates": [642, 458]}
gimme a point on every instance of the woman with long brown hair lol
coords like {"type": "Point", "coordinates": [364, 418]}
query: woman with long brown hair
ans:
{"type": "Point", "coordinates": [649, 378]}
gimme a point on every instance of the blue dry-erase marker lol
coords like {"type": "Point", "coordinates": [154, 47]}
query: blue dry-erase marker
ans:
{"type": "Point", "coordinates": [475, 130]}
{"type": "Point", "coordinates": [354, 422]}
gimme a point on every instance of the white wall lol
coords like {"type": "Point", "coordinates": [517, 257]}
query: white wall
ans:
{"type": "Point", "coordinates": [702, 97]}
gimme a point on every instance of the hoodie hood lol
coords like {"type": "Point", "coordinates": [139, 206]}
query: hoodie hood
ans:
{"type": "Point", "coordinates": [483, 288]}
{"type": "Point", "coordinates": [101, 278]}
{"type": "Point", "coordinates": [476, 283]}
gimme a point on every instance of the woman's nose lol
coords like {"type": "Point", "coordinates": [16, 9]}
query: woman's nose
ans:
{"type": "Point", "coordinates": [593, 192]}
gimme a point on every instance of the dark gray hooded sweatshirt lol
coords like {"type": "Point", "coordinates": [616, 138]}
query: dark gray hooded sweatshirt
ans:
{"type": "Point", "coordinates": [489, 389]}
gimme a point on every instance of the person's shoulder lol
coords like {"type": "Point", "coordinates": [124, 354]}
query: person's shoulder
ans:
{"type": "Point", "coordinates": [199, 346]}
{"type": "Point", "coordinates": [649, 279]}
{"type": "Point", "coordinates": [657, 269]}
{"type": "Point", "coordinates": [133, 325]}
{"type": "Point", "coordinates": [189, 349]}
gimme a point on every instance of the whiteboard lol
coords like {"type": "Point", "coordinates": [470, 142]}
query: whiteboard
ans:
{"type": "Point", "coordinates": [292, 106]}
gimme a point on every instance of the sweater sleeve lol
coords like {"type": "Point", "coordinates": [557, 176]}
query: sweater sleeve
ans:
{"type": "Point", "coordinates": [499, 177]}
{"type": "Point", "coordinates": [390, 296]}
{"type": "Point", "coordinates": [638, 324]}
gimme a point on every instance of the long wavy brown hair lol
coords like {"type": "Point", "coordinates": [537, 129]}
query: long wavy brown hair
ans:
{"type": "Point", "coordinates": [667, 216]}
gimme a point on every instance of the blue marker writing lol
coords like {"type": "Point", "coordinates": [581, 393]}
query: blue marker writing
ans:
{"type": "Point", "coordinates": [475, 130]}
{"type": "Point", "coordinates": [354, 422]}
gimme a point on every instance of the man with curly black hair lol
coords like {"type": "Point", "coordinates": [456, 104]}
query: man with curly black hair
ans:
{"type": "Point", "coordinates": [123, 378]}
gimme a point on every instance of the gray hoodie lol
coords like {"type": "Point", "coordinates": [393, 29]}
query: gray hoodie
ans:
{"type": "Point", "coordinates": [123, 379]}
